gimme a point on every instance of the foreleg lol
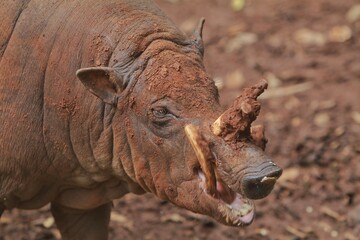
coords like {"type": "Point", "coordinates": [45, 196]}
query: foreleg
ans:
{"type": "Point", "coordinates": [76, 224]}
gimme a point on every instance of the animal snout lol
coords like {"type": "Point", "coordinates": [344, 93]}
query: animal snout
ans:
{"type": "Point", "coordinates": [259, 181]}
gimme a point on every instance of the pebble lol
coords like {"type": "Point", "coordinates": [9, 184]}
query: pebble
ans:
{"type": "Point", "coordinates": [334, 145]}
{"type": "Point", "coordinates": [322, 119]}
{"type": "Point", "coordinates": [307, 37]}
{"type": "Point", "coordinates": [263, 232]}
{"type": "Point", "coordinates": [49, 222]}
{"type": "Point", "coordinates": [292, 103]}
{"type": "Point", "coordinates": [175, 217]}
{"type": "Point", "coordinates": [309, 209]}
{"type": "Point", "coordinates": [339, 131]}
{"type": "Point", "coordinates": [339, 34]}
{"type": "Point", "coordinates": [334, 234]}
{"type": "Point", "coordinates": [237, 5]}
{"type": "Point", "coordinates": [323, 105]}
{"type": "Point", "coordinates": [296, 122]}
{"type": "Point", "coordinates": [353, 14]}
{"type": "Point", "coordinates": [356, 117]}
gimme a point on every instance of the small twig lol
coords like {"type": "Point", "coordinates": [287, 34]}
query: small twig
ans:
{"type": "Point", "coordinates": [331, 213]}
{"type": "Point", "coordinates": [296, 232]}
{"type": "Point", "coordinates": [286, 91]}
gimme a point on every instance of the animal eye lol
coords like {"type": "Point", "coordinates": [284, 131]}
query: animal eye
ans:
{"type": "Point", "coordinates": [160, 112]}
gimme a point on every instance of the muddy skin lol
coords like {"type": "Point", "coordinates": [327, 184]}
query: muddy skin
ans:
{"type": "Point", "coordinates": [95, 97]}
{"type": "Point", "coordinates": [248, 143]}
{"type": "Point", "coordinates": [234, 124]}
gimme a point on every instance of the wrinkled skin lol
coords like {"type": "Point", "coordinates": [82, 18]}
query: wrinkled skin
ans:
{"type": "Point", "coordinates": [79, 142]}
{"type": "Point", "coordinates": [170, 160]}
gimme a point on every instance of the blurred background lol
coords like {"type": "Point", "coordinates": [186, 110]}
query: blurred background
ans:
{"type": "Point", "coordinates": [309, 51]}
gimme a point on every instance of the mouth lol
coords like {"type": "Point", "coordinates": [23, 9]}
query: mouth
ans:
{"type": "Point", "coordinates": [242, 172]}
{"type": "Point", "coordinates": [236, 210]}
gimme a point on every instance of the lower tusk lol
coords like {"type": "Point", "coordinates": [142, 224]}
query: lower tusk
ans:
{"type": "Point", "coordinates": [204, 155]}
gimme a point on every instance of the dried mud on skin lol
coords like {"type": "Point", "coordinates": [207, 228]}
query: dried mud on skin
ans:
{"type": "Point", "coordinates": [236, 121]}
{"type": "Point", "coordinates": [312, 121]}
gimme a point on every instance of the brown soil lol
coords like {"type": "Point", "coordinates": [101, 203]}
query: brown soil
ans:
{"type": "Point", "coordinates": [309, 52]}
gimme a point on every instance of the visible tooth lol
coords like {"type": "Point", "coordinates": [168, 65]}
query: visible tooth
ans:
{"type": "Point", "coordinates": [268, 179]}
{"type": "Point", "coordinates": [245, 209]}
{"type": "Point", "coordinates": [247, 201]}
{"type": "Point", "coordinates": [264, 179]}
{"type": "Point", "coordinates": [204, 155]}
{"type": "Point", "coordinates": [237, 221]}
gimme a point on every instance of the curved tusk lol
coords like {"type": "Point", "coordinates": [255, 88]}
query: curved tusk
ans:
{"type": "Point", "coordinates": [204, 155]}
{"type": "Point", "coordinates": [241, 113]}
{"type": "Point", "coordinates": [216, 126]}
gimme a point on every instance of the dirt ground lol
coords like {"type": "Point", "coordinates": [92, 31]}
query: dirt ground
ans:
{"type": "Point", "coordinates": [309, 51]}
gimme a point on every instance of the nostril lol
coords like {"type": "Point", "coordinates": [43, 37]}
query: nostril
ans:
{"type": "Point", "coordinates": [258, 185]}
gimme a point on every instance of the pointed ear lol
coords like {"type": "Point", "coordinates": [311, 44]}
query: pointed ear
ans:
{"type": "Point", "coordinates": [104, 82]}
{"type": "Point", "coordinates": [197, 36]}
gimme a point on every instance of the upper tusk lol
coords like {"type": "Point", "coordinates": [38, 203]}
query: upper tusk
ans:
{"type": "Point", "coordinates": [216, 126]}
{"type": "Point", "coordinates": [241, 113]}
